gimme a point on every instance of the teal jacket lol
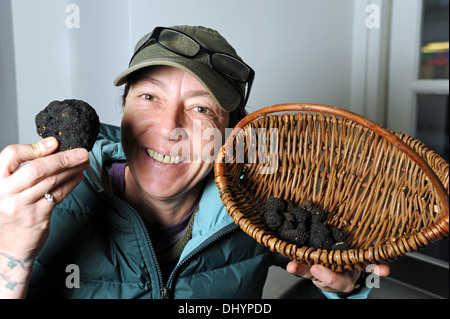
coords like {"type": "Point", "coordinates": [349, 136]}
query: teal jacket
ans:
{"type": "Point", "coordinates": [103, 239]}
{"type": "Point", "coordinates": [99, 247]}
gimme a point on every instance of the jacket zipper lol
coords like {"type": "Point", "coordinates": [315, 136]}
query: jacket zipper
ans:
{"type": "Point", "coordinates": [221, 233]}
{"type": "Point", "coordinates": [166, 289]}
{"type": "Point", "coordinates": [147, 236]}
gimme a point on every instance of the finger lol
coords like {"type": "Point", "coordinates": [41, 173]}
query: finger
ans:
{"type": "Point", "coordinates": [299, 269]}
{"type": "Point", "coordinates": [42, 168]}
{"type": "Point", "coordinates": [13, 156]}
{"type": "Point", "coordinates": [326, 279]}
{"type": "Point", "coordinates": [43, 209]}
{"type": "Point", "coordinates": [62, 191]}
{"type": "Point", "coordinates": [51, 183]}
{"type": "Point", "coordinates": [381, 270]}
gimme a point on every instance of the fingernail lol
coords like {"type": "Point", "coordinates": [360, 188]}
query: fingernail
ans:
{"type": "Point", "coordinates": [291, 268]}
{"type": "Point", "coordinates": [81, 154]}
{"type": "Point", "coordinates": [49, 142]}
{"type": "Point", "coordinates": [316, 271]}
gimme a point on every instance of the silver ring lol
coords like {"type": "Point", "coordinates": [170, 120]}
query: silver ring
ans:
{"type": "Point", "coordinates": [49, 197]}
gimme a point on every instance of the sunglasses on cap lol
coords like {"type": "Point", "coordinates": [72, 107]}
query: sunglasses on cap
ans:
{"type": "Point", "coordinates": [184, 45]}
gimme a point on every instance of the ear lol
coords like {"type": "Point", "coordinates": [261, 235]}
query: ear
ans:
{"type": "Point", "coordinates": [125, 94]}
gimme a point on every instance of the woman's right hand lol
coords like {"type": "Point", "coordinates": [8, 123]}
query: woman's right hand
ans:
{"type": "Point", "coordinates": [24, 211]}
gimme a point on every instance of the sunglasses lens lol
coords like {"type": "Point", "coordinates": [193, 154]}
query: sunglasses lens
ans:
{"type": "Point", "coordinates": [230, 66]}
{"type": "Point", "coordinates": [178, 43]}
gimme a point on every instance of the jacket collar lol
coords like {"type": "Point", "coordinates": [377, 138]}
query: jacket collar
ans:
{"type": "Point", "coordinates": [106, 148]}
{"type": "Point", "coordinates": [211, 216]}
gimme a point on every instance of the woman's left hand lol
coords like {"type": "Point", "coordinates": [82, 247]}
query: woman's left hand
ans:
{"type": "Point", "coordinates": [330, 281]}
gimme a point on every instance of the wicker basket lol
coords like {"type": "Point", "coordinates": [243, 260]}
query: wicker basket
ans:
{"type": "Point", "coordinates": [387, 191]}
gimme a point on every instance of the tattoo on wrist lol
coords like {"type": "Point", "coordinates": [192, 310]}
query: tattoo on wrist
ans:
{"type": "Point", "coordinates": [12, 263]}
{"type": "Point", "coordinates": [10, 284]}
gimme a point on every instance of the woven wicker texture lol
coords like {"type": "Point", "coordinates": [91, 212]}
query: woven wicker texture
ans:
{"type": "Point", "coordinates": [388, 191]}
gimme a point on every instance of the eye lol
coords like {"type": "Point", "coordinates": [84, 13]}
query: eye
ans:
{"type": "Point", "coordinates": [202, 110]}
{"type": "Point", "coordinates": [148, 97]}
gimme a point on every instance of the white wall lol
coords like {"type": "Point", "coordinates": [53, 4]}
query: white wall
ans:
{"type": "Point", "coordinates": [301, 50]}
{"type": "Point", "coordinates": [8, 110]}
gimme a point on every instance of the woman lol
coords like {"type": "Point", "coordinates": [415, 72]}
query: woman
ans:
{"type": "Point", "coordinates": [141, 217]}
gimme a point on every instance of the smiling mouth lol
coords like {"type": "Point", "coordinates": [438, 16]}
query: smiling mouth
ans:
{"type": "Point", "coordinates": [166, 159]}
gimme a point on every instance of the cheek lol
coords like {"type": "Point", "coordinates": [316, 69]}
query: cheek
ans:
{"type": "Point", "coordinates": [126, 128]}
{"type": "Point", "coordinates": [206, 141]}
{"type": "Point", "coordinates": [212, 142]}
{"type": "Point", "coordinates": [132, 127]}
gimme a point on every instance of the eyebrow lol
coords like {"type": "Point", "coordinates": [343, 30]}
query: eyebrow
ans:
{"type": "Point", "coordinates": [162, 85]}
{"type": "Point", "coordinates": [153, 81]}
{"type": "Point", "coordinates": [201, 93]}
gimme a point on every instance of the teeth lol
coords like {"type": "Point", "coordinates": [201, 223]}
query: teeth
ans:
{"type": "Point", "coordinates": [166, 159]}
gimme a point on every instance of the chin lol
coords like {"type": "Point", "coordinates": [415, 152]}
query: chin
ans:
{"type": "Point", "coordinates": [172, 183]}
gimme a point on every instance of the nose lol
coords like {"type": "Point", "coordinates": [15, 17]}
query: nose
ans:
{"type": "Point", "coordinates": [171, 123]}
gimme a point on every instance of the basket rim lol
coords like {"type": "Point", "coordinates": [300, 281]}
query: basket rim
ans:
{"type": "Point", "coordinates": [366, 254]}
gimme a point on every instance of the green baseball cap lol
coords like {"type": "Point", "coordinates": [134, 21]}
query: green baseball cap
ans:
{"type": "Point", "coordinates": [227, 92]}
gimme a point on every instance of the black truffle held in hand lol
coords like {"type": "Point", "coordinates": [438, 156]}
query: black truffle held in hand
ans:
{"type": "Point", "coordinates": [74, 123]}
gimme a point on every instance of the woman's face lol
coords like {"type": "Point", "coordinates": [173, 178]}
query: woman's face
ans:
{"type": "Point", "coordinates": [171, 130]}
